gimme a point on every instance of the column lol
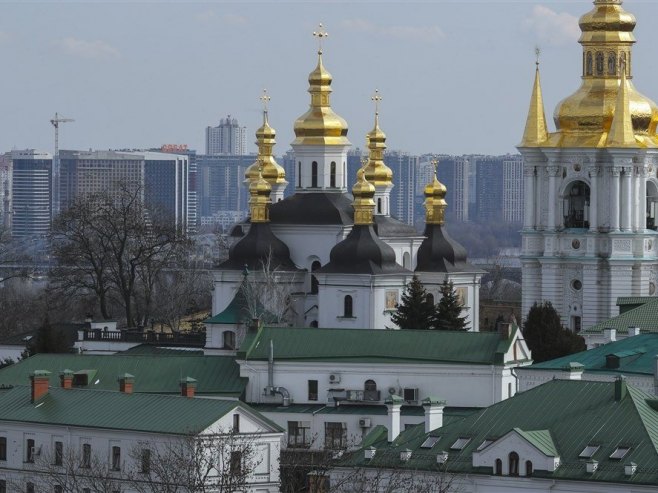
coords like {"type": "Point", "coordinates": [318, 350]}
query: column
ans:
{"type": "Point", "coordinates": [626, 199]}
{"type": "Point", "coordinates": [642, 199]}
{"type": "Point", "coordinates": [553, 172]}
{"type": "Point", "coordinates": [529, 197]}
{"type": "Point", "coordinates": [594, 198]}
{"type": "Point", "coordinates": [635, 191]}
{"type": "Point", "coordinates": [614, 198]}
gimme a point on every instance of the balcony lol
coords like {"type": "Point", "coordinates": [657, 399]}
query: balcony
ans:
{"type": "Point", "coordinates": [194, 339]}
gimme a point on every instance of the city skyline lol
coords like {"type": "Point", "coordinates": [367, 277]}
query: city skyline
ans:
{"type": "Point", "coordinates": [141, 75]}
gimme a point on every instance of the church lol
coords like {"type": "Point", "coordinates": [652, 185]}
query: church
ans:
{"type": "Point", "coordinates": [589, 233]}
{"type": "Point", "coordinates": [340, 258]}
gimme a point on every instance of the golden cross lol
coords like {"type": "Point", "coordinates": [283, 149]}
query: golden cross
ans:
{"type": "Point", "coordinates": [435, 164]}
{"type": "Point", "coordinates": [265, 98]}
{"type": "Point", "coordinates": [320, 33]}
{"type": "Point", "coordinates": [364, 161]}
{"type": "Point", "coordinates": [537, 55]}
{"type": "Point", "coordinates": [376, 98]}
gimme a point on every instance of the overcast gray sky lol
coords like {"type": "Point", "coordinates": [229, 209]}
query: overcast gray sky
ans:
{"type": "Point", "coordinates": [455, 75]}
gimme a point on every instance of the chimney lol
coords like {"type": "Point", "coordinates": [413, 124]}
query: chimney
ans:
{"type": "Point", "coordinates": [620, 388]}
{"type": "Point", "coordinates": [610, 335]}
{"type": "Point", "coordinates": [633, 331]}
{"type": "Point", "coordinates": [126, 382]}
{"type": "Point", "coordinates": [188, 387]}
{"type": "Point", "coordinates": [66, 379]}
{"type": "Point", "coordinates": [433, 413]}
{"type": "Point", "coordinates": [630, 468]}
{"type": "Point", "coordinates": [592, 466]}
{"type": "Point", "coordinates": [405, 455]}
{"type": "Point", "coordinates": [393, 403]}
{"type": "Point", "coordinates": [40, 380]}
{"type": "Point", "coordinates": [574, 371]}
{"type": "Point", "coordinates": [369, 453]}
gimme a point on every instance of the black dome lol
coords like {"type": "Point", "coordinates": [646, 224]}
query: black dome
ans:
{"type": "Point", "coordinates": [362, 252]}
{"type": "Point", "coordinates": [440, 253]}
{"type": "Point", "coordinates": [254, 248]}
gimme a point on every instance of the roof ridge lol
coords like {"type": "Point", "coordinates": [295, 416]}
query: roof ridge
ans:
{"type": "Point", "coordinates": [639, 398]}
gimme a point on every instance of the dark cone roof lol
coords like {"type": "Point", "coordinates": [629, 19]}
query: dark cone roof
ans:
{"type": "Point", "coordinates": [362, 252]}
{"type": "Point", "coordinates": [440, 253]}
{"type": "Point", "coordinates": [254, 248]}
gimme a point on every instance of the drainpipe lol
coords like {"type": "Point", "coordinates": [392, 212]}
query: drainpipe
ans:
{"type": "Point", "coordinates": [271, 389]}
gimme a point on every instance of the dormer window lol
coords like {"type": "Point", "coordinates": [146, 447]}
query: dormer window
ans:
{"type": "Point", "coordinates": [619, 453]}
{"type": "Point", "coordinates": [485, 444]}
{"type": "Point", "coordinates": [589, 451]}
{"type": "Point", "coordinates": [430, 442]}
{"type": "Point", "coordinates": [460, 443]}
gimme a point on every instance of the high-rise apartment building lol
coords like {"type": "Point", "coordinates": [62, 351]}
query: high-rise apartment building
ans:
{"type": "Point", "coordinates": [5, 192]}
{"type": "Point", "coordinates": [513, 193]}
{"type": "Point", "coordinates": [499, 188]}
{"type": "Point", "coordinates": [226, 139]}
{"type": "Point", "coordinates": [30, 193]}
{"type": "Point", "coordinates": [404, 167]}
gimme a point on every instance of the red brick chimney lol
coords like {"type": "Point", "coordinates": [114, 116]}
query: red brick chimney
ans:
{"type": "Point", "coordinates": [66, 379]}
{"type": "Point", "coordinates": [188, 387]}
{"type": "Point", "coordinates": [40, 380]}
{"type": "Point", "coordinates": [126, 382]}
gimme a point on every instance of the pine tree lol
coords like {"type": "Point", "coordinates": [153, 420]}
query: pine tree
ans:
{"type": "Point", "coordinates": [545, 335]}
{"type": "Point", "coordinates": [449, 309]}
{"type": "Point", "coordinates": [415, 311]}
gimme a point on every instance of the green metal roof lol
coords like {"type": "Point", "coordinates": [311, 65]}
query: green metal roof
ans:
{"type": "Point", "coordinates": [115, 410]}
{"type": "Point", "coordinates": [541, 439]}
{"type": "Point", "coordinates": [150, 349]}
{"type": "Point", "coordinates": [215, 375]}
{"type": "Point", "coordinates": [644, 316]}
{"type": "Point", "coordinates": [572, 414]}
{"type": "Point", "coordinates": [634, 300]}
{"type": "Point", "coordinates": [377, 346]}
{"type": "Point", "coordinates": [237, 312]}
{"type": "Point", "coordinates": [636, 355]}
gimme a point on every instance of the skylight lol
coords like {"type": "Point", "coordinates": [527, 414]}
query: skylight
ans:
{"type": "Point", "coordinates": [460, 443]}
{"type": "Point", "coordinates": [485, 444]}
{"type": "Point", "coordinates": [589, 451]}
{"type": "Point", "coordinates": [430, 442]}
{"type": "Point", "coordinates": [619, 453]}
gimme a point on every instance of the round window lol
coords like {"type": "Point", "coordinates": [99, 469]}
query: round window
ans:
{"type": "Point", "coordinates": [652, 289]}
{"type": "Point", "coordinates": [576, 284]}
{"type": "Point", "coordinates": [575, 244]}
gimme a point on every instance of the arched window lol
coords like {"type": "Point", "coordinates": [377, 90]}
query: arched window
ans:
{"type": "Point", "coordinates": [348, 307]}
{"type": "Point", "coordinates": [599, 63]}
{"type": "Point", "coordinates": [406, 260]}
{"type": "Point", "coordinates": [314, 281]}
{"type": "Point", "coordinates": [314, 174]}
{"type": "Point", "coordinates": [612, 64]}
{"type": "Point", "coordinates": [513, 464]}
{"type": "Point", "coordinates": [332, 175]}
{"type": "Point", "coordinates": [299, 174]}
{"type": "Point", "coordinates": [576, 205]}
{"type": "Point", "coordinates": [498, 469]}
{"type": "Point", "coordinates": [229, 339]}
{"type": "Point", "coordinates": [622, 63]}
{"type": "Point", "coordinates": [370, 391]}
{"type": "Point", "coordinates": [430, 298]}
{"type": "Point", "coordinates": [589, 64]}
{"type": "Point", "coordinates": [314, 324]}
{"type": "Point", "coordinates": [379, 206]}
{"type": "Point", "coordinates": [528, 468]}
{"type": "Point", "coordinates": [369, 385]}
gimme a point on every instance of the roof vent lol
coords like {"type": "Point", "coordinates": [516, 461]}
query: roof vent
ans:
{"type": "Point", "coordinates": [405, 455]}
{"type": "Point", "coordinates": [630, 468]}
{"type": "Point", "coordinates": [592, 466]}
{"type": "Point", "coordinates": [370, 452]}
{"type": "Point", "coordinates": [442, 457]}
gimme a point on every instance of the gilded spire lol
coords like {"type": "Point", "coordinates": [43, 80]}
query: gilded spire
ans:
{"type": "Point", "coordinates": [435, 199]}
{"type": "Point", "coordinates": [363, 191]}
{"type": "Point", "coordinates": [259, 198]}
{"type": "Point", "coordinates": [621, 130]}
{"type": "Point", "coordinates": [320, 125]}
{"type": "Point", "coordinates": [376, 171]}
{"type": "Point", "coordinates": [535, 132]}
{"type": "Point", "coordinates": [265, 140]}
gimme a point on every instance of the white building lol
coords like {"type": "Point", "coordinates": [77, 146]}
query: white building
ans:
{"type": "Point", "coordinates": [228, 138]}
{"type": "Point", "coordinates": [590, 186]}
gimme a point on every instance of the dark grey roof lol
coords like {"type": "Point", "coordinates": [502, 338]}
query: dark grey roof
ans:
{"type": "Point", "coordinates": [314, 208]}
{"type": "Point", "coordinates": [362, 252]}
{"type": "Point", "coordinates": [390, 227]}
{"type": "Point", "coordinates": [253, 250]}
{"type": "Point", "coordinates": [440, 253]}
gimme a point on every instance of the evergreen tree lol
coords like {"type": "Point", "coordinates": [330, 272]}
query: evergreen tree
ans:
{"type": "Point", "coordinates": [47, 340]}
{"type": "Point", "coordinates": [545, 335]}
{"type": "Point", "coordinates": [415, 311]}
{"type": "Point", "coordinates": [448, 313]}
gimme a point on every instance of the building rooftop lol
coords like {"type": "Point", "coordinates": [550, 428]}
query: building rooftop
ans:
{"type": "Point", "coordinates": [644, 316]}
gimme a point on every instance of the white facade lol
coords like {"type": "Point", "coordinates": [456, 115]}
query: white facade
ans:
{"type": "Point", "coordinates": [467, 287]}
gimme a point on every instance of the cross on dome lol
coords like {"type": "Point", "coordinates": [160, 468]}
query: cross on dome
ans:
{"type": "Point", "coordinates": [320, 34]}
{"type": "Point", "coordinates": [377, 99]}
{"type": "Point", "coordinates": [265, 98]}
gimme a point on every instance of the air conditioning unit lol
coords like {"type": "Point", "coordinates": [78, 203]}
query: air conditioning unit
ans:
{"type": "Point", "coordinates": [364, 422]}
{"type": "Point", "coordinates": [410, 394]}
{"type": "Point", "coordinates": [334, 378]}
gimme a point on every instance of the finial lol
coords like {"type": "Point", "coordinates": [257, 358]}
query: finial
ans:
{"type": "Point", "coordinates": [364, 161]}
{"type": "Point", "coordinates": [435, 164]}
{"type": "Point", "coordinates": [320, 33]}
{"type": "Point", "coordinates": [537, 55]}
{"type": "Point", "coordinates": [265, 98]}
{"type": "Point", "coordinates": [376, 98]}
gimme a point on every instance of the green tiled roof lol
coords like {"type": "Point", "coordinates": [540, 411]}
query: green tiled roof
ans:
{"type": "Point", "coordinates": [216, 375]}
{"type": "Point", "coordinates": [380, 346]}
{"type": "Point", "coordinates": [636, 355]}
{"type": "Point", "coordinates": [562, 416]}
{"type": "Point", "coordinates": [115, 410]}
{"type": "Point", "coordinates": [541, 439]}
{"type": "Point", "coordinates": [644, 316]}
{"type": "Point", "coordinates": [634, 300]}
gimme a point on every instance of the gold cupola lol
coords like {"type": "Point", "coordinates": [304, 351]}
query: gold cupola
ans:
{"type": "Point", "coordinates": [272, 172]}
{"type": "Point", "coordinates": [320, 125]}
{"type": "Point", "coordinates": [376, 171]}
{"type": "Point", "coordinates": [584, 119]}
{"type": "Point", "coordinates": [435, 199]}
{"type": "Point", "coordinates": [364, 204]}
{"type": "Point", "coordinates": [259, 198]}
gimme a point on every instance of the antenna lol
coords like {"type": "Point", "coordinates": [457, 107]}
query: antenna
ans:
{"type": "Point", "coordinates": [54, 210]}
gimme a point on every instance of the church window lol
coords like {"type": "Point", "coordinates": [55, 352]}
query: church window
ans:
{"type": "Point", "coordinates": [430, 298]}
{"type": "Point", "coordinates": [299, 174]}
{"type": "Point", "coordinates": [612, 64]}
{"type": "Point", "coordinates": [576, 284]}
{"type": "Point", "coordinates": [498, 469]}
{"type": "Point", "coordinates": [406, 260]}
{"type": "Point", "coordinates": [369, 385]}
{"type": "Point", "coordinates": [379, 206]}
{"type": "Point", "coordinates": [528, 468]}
{"type": "Point", "coordinates": [314, 174]}
{"type": "Point", "coordinates": [589, 62]}
{"type": "Point", "coordinates": [513, 464]}
{"type": "Point", "coordinates": [314, 324]}
{"type": "Point", "coordinates": [622, 62]}
{"type": "Point", "coordinates": [652, 206]}
{"type": "Point", "coordinates": [315, 284]}
{"type": "Point", "coordinates": [312, 390]}
{"type": "Point", "coordinates": [229, 339]}
{"type": "Point", "coordinates": [348, 307]}
{"type": "Point", "coordinates": [599, 63]}
{"type": "Point", "coordinates": [332, 175]}
{"type": "Point", "coordinates": [576, 205]}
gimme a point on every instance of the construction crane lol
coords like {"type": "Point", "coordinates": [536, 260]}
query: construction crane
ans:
{"type": "Point", "coordinates": [54, 210]}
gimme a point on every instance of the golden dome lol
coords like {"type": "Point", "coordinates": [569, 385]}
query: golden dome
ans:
{"type": "Point", "coordinates": [364, 205]}
{"type": "Point", "coordinates": [435, 200]}
{"type": "Point", "coordinates": [376, 171]}
{"type": "Point", "coordinates": [259, 198]}
{"type": "Point", "coordinates": [584, 118]}
{"type": "Point", "coordinates": [272, 172]}
{"type": "Point", "coordinates": [320, 125]}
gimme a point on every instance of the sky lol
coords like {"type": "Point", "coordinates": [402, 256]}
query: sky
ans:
{"type": "Point", "coordinates": [455, 76]}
